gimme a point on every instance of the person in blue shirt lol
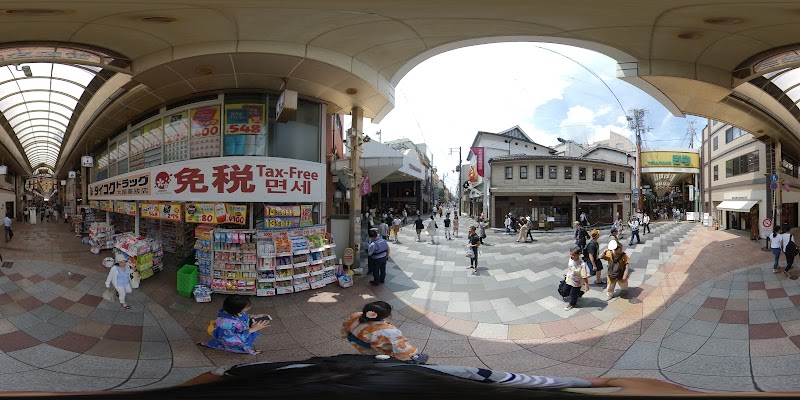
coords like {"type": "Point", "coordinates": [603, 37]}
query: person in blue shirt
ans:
{"type": "Point", "coordinates": [378, 252]}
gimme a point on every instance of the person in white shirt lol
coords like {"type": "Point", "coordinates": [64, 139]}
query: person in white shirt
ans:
{"type": "Point", "coordinates": [634, 224]}
{"type": "Point", "coordinates": [776, 245]}
{"type": "Point", "coordinates": [432, 228]}
{"type": "Point", "coordinates": [396, 228]}
{"type": "Point", "coordinates": [646, 224]}
{"type": "Point", "coordinates": [7, 225]}
{"type": "Point", "coordinates": [576, 276]}
{"type": "Point", "coordinates": [383, 229]}
{"type": "Point", "coordinates": [786, 237]}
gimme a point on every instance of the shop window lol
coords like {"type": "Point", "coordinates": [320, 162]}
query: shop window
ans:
{"type": "Point", "coordinates": [245, 128]}
{"type": "Point", "coordinates": [598, 174]}
{"type": "Point", "coordinates": [613, 176]}
{"type": "Point", "coordinates": [744, 164]}
{"type": "Point", "coordinates": [582, 174]}
{"type": "Point", "coordinates": [299, 138]}
{"type": "Point", "coordinates": [621, 177]}
{"type": "Point", "coordinates": [716, 172]}
{"type": "Point", "coordinates": [539, 172]}
{"type": "Point", "coordinates": [733, 133]}
{"type": "Point", "coordinates": [152, 138]}
{"type": "Point", "coordinates": [204, 127]}
{"type": "Point", "coordinates": [567, 172]}
{"type": "Point", "coordinates": [176, 137]}
{"type": "Point", "coordinates": [716, 142]}
{"type": "Point", "coordinates": [509, 172]}
{"type": "Point", "coordinates": [789, 166]}
{"type": "Point", "coordinates": [523, 172]}
{"type": "Point", "coordinates": [553, 172]}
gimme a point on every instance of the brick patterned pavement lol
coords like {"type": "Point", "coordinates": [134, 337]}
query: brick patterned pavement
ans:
{"type": "Point", "coordinates": [705, 312]}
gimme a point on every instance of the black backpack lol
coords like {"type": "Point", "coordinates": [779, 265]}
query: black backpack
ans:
{"type": "Point", "coordinates": [791, 248]}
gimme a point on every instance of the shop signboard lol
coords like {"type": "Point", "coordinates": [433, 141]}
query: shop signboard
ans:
{"type": "Point", "coordinates": [244, 119]}
{"type": "Point", "coordinates": [215, 213]}
{"type": "Point", "coordinates": [163, 211]}
{"type": "Point", "coordinates": [106, 205]}
{"type": "Point", "coordinates": [220, 179]}
{"type": "Point", "coordinates": [94, 204]}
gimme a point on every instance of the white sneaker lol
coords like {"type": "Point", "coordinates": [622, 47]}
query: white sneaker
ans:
{"type": "Point", "coordinates": [568, 307]}
{"type": "Point", "coordinates": [609, 296]}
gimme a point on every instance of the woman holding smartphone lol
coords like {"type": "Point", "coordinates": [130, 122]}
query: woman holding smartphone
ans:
{"type": "Point", "coordinates": [234, 330]}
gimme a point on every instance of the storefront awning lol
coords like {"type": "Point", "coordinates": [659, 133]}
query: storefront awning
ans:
{"type": "Point", "coordinates": [737, 205]}
{"type": "Point", "coordinates": [599, 198]}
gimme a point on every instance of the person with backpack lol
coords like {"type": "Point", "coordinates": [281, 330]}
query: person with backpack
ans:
{"type": "Point", "coordinates": [789, 248]}
{"type": "Point", "coordinates": [618, 270]}
{"type": "Point", "coordinates": [592, 257]}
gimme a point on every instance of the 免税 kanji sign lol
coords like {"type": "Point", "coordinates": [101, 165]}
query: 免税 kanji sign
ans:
{"type": "Point", "coordinates": [243, 179]}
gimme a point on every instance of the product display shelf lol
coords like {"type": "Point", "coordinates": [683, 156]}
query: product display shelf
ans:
{"type": "Point", "coordinates": [234, 262]}
{"type": "Point", "coordinates": [203, 252]}
{"type": "Point", "coordinates": [123, 222]}
{"type": "Point", "coordinates": [178, 238]}
{"type": "Point", "coordinates": [144, 253]}
{"type": "Point", "coordinates": [101, 236]}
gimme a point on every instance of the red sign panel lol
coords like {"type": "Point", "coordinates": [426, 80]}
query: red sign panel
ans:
{"type": "Point", "coordinates": [478, 151]}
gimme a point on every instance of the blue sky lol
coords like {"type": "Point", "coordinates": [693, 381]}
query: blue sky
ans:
{"type": "Point", "coordinates": [447, 99]}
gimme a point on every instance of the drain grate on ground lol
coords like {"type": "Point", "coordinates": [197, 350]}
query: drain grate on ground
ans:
{"type": "Point", "coordinates": [7, 264]}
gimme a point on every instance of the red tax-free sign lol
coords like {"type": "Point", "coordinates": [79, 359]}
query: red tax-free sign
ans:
{"type": "Point", "coordinates": [224, 179]}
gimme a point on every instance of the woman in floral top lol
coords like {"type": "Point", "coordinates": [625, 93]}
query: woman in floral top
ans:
{"type": "Point", "coordinates": [233, 329]}
{"type": "Point", "coordinates": [370, 333]}
{"type": "Point", "coordinates": [577, 277]}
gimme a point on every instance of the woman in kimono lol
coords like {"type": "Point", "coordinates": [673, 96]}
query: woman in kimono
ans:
{"type": "Point", "coordinates": [233, 329]}
{"type": "Point", "coordinates": [370, 333]}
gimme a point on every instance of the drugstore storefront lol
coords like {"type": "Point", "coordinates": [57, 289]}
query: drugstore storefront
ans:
{"type": "Point", "coordinates": [225, 180]}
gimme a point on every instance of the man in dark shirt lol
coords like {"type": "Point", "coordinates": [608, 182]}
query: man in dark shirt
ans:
{"type": "Point", "coordinates": [419, 226]}
{"type": "Point", "coordinates": [447, 234]}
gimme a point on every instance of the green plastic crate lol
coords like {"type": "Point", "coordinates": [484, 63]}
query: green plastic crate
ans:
{"type": "Point", "coordinates": [187, 279]}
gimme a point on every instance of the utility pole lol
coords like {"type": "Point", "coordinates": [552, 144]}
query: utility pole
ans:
{"type": "Point", "coordinates": [355, 195]}
{"type": "Point", "coordinates": [636, 123]}
{"type": "Point", "coordinates": [458, 171]}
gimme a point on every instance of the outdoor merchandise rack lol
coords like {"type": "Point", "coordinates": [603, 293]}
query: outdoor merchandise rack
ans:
{"type": "Point", "coordinates": [101, 236]}
{"type": "Point", "coordinates": [145, 254]}
{"type": "Point", "coordinates": [268, 263]}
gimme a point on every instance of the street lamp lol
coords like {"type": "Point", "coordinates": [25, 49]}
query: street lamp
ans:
{"type": "Point", "coordinates": [458, 170]}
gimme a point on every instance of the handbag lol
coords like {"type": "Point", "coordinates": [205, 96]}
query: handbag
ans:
{"type": "Point", "coordinates": [469, 252]}
{"type": "Point", "coordinates": [135, 280]}
{"type": "Point", "coordinates": [563, 288]}
{"type": "Point", "coordinates": [108, 295]}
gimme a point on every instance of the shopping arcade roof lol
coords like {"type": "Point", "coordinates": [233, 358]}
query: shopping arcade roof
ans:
{"type": "Point", "coordinates": [681, 52]}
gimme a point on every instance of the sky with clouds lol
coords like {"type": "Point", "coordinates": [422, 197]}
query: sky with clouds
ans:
{"type": "Point", "coordinates": [549, 90]}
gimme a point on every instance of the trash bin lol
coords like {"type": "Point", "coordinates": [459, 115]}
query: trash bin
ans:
{"type": "Point", "coordinates": [187, 279]}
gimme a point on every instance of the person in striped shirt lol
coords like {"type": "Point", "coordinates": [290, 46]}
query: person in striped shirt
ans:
{"type": "Point", "coordinates": [371, 334]}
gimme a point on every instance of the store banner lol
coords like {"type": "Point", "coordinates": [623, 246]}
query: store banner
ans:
{"type": "Point", "coordinates": [94, 204]}
{"type": "Point", "coordinates": [106, 205]}
{"type": "Point", "coordinates": [478, 151]}
{"type": "Point", "coordinates": [306, 218]}
{"type": "Point", "coordinates": [366, 185]}
{"type": "Point", "coordinates": [244, 119]}
{"type": "Point", "coordinates": [125, 207]}
{"type": "Point", "coordinates": [204, 126]}
{"type": "Point", "coordinates": [281, 217]}
{"type": "Point", "coordinates": [220, 179]}
{"type": "Point", "coordinates": [163, 211]}
{"type": "Point", "coordinates": [215, 213]}
{"type": "Point", "coordinates": [176, 128]}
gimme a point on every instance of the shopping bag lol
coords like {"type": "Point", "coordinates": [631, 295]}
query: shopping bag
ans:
{"type": "Point", "coordinates": [345, 281]}
{"type": "Point", "coordinates": [469, 252]}
{"type": "Point", "coordinates": [108, 295]}
{"type": "Point", "coordinates": [135, 280]}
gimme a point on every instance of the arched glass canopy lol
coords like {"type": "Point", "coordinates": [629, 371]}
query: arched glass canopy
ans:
{"type": "Point", "coordinates": [39, 107]}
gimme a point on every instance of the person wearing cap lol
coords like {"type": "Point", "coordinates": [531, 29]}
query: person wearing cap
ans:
{"type": "Point", "coordinates": [378, 252]}
{"type": "Point", "coordinates": [617, 269]}
{"type": "Point", "coordinates": [614, 234]}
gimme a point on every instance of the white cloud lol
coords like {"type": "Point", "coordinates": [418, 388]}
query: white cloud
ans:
{"type": "Point", "coordinates": [448, 98]}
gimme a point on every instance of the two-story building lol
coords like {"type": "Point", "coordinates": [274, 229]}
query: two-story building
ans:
{"type": "Point", "coordinates": [561, 187]}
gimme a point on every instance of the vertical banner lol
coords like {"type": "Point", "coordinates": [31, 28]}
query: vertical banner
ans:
{"type": "Point", "coordinates": [366, 185]}
{"type": "Point", "coordinates": [204, 127]}
{"type": "Point", "coordinates": [305, 215]}
{"type": "Point", "coordinates": [478, 151]}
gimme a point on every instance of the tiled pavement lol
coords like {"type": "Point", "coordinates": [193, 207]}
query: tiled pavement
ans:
{"type": "Point", "coordinates": [706, 312]}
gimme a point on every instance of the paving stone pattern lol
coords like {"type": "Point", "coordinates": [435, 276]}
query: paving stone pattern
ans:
{"type": "Point", "coordinates": [704, 311]}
